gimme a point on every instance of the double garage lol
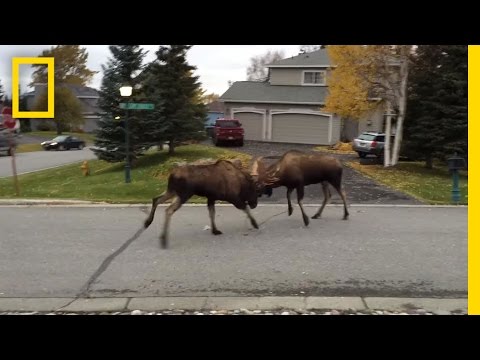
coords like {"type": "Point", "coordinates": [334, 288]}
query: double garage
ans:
{"type": "Point", "coordinates": [299, 127]}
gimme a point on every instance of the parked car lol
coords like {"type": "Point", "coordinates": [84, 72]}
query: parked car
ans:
{"type": "Point", "coordinates": [228, 130]}
{"type": "Point", "coordinates": [7, 146]}
{"type": "Point", "coordinates": [63, 142]}
{"type": "Point", "coordinates": [370, 143]}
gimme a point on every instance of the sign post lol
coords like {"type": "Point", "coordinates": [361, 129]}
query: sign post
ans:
{"type": "Point", "coordinates": [131, 106]}
{"type": "Point", "coordinates": [10, 125]}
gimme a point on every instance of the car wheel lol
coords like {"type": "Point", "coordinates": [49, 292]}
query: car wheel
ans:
{"type": "Point", "coordinates": [10, 152]}
{"type": "Point", "coordinates": [61, 148]}
{"type": "Point", "coordinates": [362, 155]}
{"type": "Point", "coordinates": [240, 143]}
{"type": "Point", "coordinates": [80, 147]}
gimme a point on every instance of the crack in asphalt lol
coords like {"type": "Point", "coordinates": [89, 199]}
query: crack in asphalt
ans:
{"type": "Point", "coordinates": [103, 266]}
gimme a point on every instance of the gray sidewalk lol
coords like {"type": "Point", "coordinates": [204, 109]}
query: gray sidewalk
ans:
{"type": "Point", "coordinates": [236, 305]}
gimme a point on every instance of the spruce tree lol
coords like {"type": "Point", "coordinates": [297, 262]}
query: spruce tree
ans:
{"type": "Point", "coordinates": [121, 69]}
{"type": "Point", "coordinates": [436, 124]}
{"type": "Point", "coordinates": [169, 81]}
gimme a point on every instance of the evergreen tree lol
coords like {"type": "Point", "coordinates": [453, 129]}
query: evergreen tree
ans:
{"type": "Point", "coordinates": [169, 81]}
{"type": "Point", "coordinates": [437, 108]}
{"type": "Point", "coordinates": [121, 69]}
{"type": "Point", "coordinates": [453, 98]}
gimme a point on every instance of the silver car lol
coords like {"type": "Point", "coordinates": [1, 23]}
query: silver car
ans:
{"type": "Point", "coordinates": [370, 143]}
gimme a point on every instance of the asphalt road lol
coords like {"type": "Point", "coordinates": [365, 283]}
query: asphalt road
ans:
{"type": "Point", "coordinates": [38, 160]}
{"type": "Point", "coordinates": [379, 251]}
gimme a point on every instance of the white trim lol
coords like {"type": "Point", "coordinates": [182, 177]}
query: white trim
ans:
{"type": "Point", "coordinates": [314, 84]}
{"type": "Point", "coordinates": [300, 111]}
{"type": "Point", "coordinates": [256, 111]}
{"type": "Point", "coordinates": [330, 129]}
{"type": "Point", "coordinates": [88, 97]}
{"type": "Point", "coordinates": [274, 102]}
{"type": "Point", "coordinates": [301, 66]}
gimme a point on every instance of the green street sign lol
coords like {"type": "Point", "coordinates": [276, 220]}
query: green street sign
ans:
{"type": "Point", "coordinates": [137, 106]}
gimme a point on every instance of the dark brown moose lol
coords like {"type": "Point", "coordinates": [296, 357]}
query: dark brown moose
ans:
{"type": "Point", "coordinates": [220, 181]}
{"type": "Point", "coordinates": [297, 169]}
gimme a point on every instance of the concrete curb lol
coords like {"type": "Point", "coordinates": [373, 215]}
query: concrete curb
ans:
{"type": "Point", "coordinates": [115, 304]}
{"type": "Point", "coordinates": [83, 203]}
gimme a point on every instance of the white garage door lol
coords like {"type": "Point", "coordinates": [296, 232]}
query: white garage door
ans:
{"type": "Point", "coordinates": [252, 123]}
{"type": "Point", "coordinates": [300, 128]}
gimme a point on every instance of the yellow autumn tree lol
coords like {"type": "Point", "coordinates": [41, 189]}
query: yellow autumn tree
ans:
{"type": "Point", "coordinates": [363, 73]}
{"type": "Point", "coordinates": [348, 83]}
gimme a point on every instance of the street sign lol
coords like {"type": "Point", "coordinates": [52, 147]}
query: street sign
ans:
{"type": "Point", "coordinates": [137, 106]}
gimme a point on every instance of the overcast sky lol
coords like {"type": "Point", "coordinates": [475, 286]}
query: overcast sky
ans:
{"type": "Point", "coordinates": [216, 64]}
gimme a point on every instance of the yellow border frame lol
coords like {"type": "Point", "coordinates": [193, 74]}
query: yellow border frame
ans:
{"type": "Point", "coordinates": [16, 62]}
{"type": "Point", "coordinates": [473, 180]}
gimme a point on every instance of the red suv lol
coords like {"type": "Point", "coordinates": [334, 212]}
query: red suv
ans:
{"type": "Point", "coordinates": [228, 130]}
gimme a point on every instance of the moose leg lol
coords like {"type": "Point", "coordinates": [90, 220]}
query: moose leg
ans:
{"type": "Point", "coordinates": [252, 219]}
{"type": "Point", "coordinates": [326, 199]}
{"type": "Point", "coordinates": [290, 208]}
{"type": "Point", "coordinates": [300, 194]}
{"type": "Point", "coordinates": [211, 212]}
{"type": "Point", "coordinates": [174, 206]}
{"type": "Point", "coordinates": [155, 202]}
{"type": "Point", "coordinates": [341, 192]}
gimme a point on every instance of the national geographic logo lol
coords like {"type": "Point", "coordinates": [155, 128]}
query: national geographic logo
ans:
{"type": "Point", "coordinates": [16, 62]}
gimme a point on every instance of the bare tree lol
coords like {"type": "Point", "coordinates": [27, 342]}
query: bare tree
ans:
{"type": "Point", "coordinates": [310, 48]}
{"type": "Point", "coordinates": [257, 71]}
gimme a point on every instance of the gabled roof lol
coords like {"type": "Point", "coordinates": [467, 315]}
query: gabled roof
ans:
{"type": "Point", "coordinates": [263, 92]}
{"type": "Point", "coordinates": [318, 58]}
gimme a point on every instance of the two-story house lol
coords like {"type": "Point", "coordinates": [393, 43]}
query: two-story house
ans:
{"type": "Point", "coordinates": [87, 96]}
{"type": "Point", "coordinates": [288, 106]}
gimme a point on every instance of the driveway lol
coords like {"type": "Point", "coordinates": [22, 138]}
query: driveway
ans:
{"type": "Point", "coordinates": [359, 188]}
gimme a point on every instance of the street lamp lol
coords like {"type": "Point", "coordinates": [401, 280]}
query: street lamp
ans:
{"type": "Point", "coordinates": [126, 91]}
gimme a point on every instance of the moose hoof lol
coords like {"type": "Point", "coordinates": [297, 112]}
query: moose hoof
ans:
{"type": "Point", "coordinates": [147, 223]}
{"type": "Point", "coordinates": [216, 232]}
{"type": "Point", "coordinates": [345, 217]}
{"type": "Point", "coordinates": [163, 242]}
{"type": "Point", "coordinates": [290, 211]}
{"type": "Point", "coordinates": [306, 221]}
{"type": "Point", "coordinates": [255, 225]}
{"type": "Point", "coordinates": [316, 216]}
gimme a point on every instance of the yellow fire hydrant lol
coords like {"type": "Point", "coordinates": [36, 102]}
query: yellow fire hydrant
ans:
{"type": "Point", "coordinates": [85, 168]}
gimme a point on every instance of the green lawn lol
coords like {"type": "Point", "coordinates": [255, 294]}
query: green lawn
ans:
{"type": "Point", "coordinates": [432, 186]}
{"type": "Point", "coordinates": [107, 181]}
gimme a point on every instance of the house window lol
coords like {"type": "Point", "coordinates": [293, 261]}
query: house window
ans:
{"type": "Point", "coordinates": [314, 77]}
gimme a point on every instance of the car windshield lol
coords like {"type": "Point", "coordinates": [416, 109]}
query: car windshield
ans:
{"type": "Point", "coordinates": [60, 138]}
{"type": "Point", "coordinates": [228, 124]}
{"type": "Point", "coordinates": [368, 137]}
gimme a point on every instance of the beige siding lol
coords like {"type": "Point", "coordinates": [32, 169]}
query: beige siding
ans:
{"type": "Point", "coordinates": [252, 124]}
{"type": "Point", "coordinates": [375, 117]}
{"type": "Point", "coordinates": [336, 128]}
{"type": "Point", "coordinates": [289, 76]}
{"type": "Point", "coordinates": [300, 128]}
{"type": "Point", "coordinates": [283, 76]}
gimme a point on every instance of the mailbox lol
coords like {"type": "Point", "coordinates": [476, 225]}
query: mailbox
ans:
{"type": "Point", "coordinates": [456, 163]}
